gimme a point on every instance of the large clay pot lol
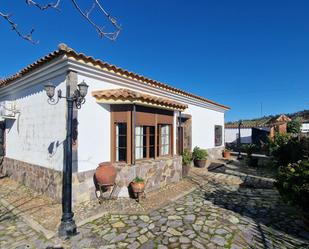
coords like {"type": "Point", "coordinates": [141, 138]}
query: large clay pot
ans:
{"type": "Point", "coordinates": [105, 174]}
{"type": "Point", "coordinates": [226, 154]}
{"type": "Point", "coordinates": [200, 163]}
{"type": "Point", "coordinates": [138, 187]}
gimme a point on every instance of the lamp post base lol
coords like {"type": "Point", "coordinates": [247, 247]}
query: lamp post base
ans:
{"type": "Point", "coordinates": [67, 228]}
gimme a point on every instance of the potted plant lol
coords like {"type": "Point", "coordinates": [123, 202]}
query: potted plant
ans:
{"type": "Point", "coordinates": [199, 157]}
{"type": "Point", "coordinates": [186, 162]}
{"type": "Point", "coordinates": [226, 153]}
{"type": "Point", "coordinates": [252, 161]}
{"type": "Point", "coordinates": [138, 185]}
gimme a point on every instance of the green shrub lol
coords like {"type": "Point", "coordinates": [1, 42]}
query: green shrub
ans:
{"type": "Point", "coordinates": [249, 149]}
{"type": "Point", "coordinates": [288, 149]}
{"type": "Point", "coordinates": [187, 157]}
{"type": "Point", "coordinates": [294, 125]}
{"type": "Point", "coordinates": [277, 141]}
{"type": "Point", "coordinates": [138, 179]}
{"type": "Point", "coordinates": [199, 154]}
{"type": "Point", "coordinates": [293, 183]}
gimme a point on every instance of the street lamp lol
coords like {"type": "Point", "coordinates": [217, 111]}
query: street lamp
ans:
{"type": "Point", "coordinates": [239, 157]}
{"type": "Point", "coordinates": [67, 226]}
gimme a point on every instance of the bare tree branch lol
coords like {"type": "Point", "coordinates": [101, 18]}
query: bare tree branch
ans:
{"type": "Point", "coordinates": [86, 14]}
{"type": "Point", "coordinates": [44, 7]}
{"type": "Point", "coordinates": [27, 37]}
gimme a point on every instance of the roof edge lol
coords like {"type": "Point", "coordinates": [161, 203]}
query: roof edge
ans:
{"type": "Point", "coordinates": [65, 49]}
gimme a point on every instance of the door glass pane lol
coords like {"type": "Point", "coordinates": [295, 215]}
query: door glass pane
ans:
{"type": "Point", "coordinates": [121, 141]}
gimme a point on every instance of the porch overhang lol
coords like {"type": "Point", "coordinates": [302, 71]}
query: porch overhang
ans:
{"type": "Point", "coordinates": [127, 96]}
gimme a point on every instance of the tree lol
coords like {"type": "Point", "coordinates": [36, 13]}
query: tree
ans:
{"type": "Point", "coordinates": [86, 14]}
{"type": "Point", "coordinates": [294, 125]}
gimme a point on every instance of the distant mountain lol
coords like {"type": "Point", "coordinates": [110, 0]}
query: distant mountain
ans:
{"type": "Point", "coordinates": [260, 121]}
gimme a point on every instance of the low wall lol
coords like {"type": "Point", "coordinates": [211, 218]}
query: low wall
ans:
{"type": "Point", "coordinates": [157, 173]}
{"type": "Point", "coordinates": [41, 179]}
{"type": "Point", "coordinates": [215, 153]}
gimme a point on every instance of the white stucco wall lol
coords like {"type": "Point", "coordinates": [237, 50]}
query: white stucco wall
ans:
{"type": "Point", "coordinates": [37, 134]}
{"type": "Point", "coordinates": [231, 135]}
{"type": "Point", "coordinates": [305, 127]}
{"type": "Point", "coordinates": [93, 127]}
{"type": "Point", "coordinates": [203, 126]}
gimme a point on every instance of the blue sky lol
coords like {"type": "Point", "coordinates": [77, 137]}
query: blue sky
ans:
{"type": "Point", "coordinates": [239, 53]}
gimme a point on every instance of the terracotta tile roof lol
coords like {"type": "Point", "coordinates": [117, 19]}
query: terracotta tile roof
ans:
{"type": "Point", "coordinates": [65, 50]}
{"type": "Point", "coordinates": [125, 95]}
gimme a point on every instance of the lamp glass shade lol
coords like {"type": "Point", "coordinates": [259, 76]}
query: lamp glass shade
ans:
{"type": "Point", "coordinates": [50, 90]}
{"type": "Point", "coordinates": [83, 89]}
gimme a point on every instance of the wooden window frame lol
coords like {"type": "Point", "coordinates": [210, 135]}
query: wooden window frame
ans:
{"type": "Point", "coordinates": [120, 135]}
{"type": "Point", "coordinates": [159, 136]}
{"type": "Point", "coordinates": [221, 139]}
{"type": "Point", "coordinates": [144, 116]}
{"type": "Point", "coordinates": [147, 145]}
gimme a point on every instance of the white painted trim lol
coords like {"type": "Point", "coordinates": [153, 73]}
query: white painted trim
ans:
{"type": "Point", "coordinates": [48, 71]}
{"type": "Point", "coordinates": [91, 71]}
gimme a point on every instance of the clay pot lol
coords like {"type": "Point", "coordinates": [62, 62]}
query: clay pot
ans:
{"type": "Point", "coordinates": [138, 187]}
{"type": "Point", "coordinates": [105, 174]}
{"type": "Point", "coordinates": [226, 154]}
{"type": "Point", "coordinates": [200, 163]}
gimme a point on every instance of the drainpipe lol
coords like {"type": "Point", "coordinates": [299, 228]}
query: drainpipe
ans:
{"type": "Point", "coordinates": [133, 138]}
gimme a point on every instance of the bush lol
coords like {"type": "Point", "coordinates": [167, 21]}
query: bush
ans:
{"type": "Point", "coordinates": [278, 141]}
{"type": "Point", "coordinates": [250, 149]}
{"type": "Point", "coordinates": [199, 154]}
{"type": "Point", "coordinates": [187, 157]}
{"type": "Point", "coordinates": [287, 149]}
{"type": "Point", "coordinates": [294, 125]}
{"type": "Point", "coordinates": [293, 183]}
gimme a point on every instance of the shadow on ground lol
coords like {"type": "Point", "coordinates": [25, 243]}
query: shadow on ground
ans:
{"type": "Point", "coordinates": [275, 222]}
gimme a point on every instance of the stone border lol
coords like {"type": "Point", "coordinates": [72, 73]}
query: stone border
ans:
{"type": "Point", "coordinates": [48, 234]}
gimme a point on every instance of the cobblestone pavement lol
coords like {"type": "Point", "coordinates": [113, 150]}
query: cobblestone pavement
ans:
{"type": "Point", "coordinates": [213, 216]}
{"type": "Point", "coordinates": [14, 233]}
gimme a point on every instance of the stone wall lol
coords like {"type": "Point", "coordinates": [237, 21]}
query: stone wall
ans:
{"type": "Point", "coordinates": [157, 173]}
{"type": "Point", "coordinates": [215, 153]}
{"type": "Point", "coordinates": [43, 180]}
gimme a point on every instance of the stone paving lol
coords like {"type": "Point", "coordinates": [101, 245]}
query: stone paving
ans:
{"type": "Point", "coordinates": [216, 215]}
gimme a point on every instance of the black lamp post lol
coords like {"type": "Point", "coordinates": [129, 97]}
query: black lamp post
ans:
{"type": "Point", "coordinates": [67, 226]}
{"type": "Point", "coordinates": [239, 157]}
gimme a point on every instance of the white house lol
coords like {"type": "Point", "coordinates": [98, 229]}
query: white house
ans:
{"type": "Point", "coordinates": [305, 127]}
{"type": "Point", "coordinates": [139, 124]}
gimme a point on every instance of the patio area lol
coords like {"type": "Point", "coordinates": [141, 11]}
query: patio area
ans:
{"type": "Point", "coordinates": [217, 209]}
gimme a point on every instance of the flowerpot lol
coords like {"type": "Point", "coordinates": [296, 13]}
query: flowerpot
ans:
{"type": "Point", "coordinates": [105, 174]}
{"type": "Point", "coordinates": [226, 154]}
{"type": "Point", "coordinates": [185, 170]}
{"type": "Point", "coordinates": [138, 187]}
{"type": "Point", "coordinates": [200, 163]}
